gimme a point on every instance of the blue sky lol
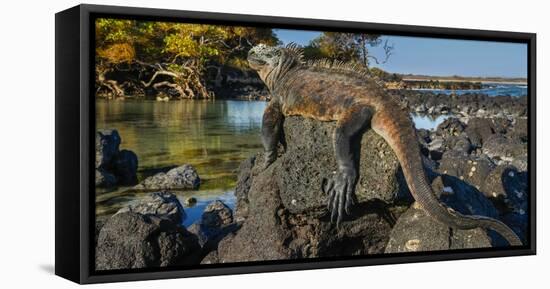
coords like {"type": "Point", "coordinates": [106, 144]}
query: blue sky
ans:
{"type": "Point", "coordinates": [440, 57]}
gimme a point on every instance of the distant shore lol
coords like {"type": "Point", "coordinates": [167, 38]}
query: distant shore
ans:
{"type": "Point", "coordinates": [467, 79]}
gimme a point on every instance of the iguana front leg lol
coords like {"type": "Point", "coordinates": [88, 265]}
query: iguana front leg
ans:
{"type": "Point", "coordinates": [341, 188]}
{"type": "Point", "coordinates": [272, 124]}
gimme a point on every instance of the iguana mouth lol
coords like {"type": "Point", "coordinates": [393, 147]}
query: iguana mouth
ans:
{"type": "Point", "coordinates": [254, 61]}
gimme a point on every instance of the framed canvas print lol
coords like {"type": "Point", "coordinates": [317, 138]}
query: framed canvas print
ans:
{"type": "Point", "coordinates": [193, 144]}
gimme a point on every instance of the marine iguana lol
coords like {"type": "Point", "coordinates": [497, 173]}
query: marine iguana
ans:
{"type": "Point", "coordinates": [335, 91]}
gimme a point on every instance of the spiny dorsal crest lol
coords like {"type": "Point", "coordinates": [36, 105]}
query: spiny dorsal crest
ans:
{"type": "Point", "coordinates": [295, 51]}
{"type": "Point", "coordinates": [351, 68]}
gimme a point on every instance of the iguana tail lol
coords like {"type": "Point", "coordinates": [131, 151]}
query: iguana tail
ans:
{"type": "Point", "coordinates": [398, 130]}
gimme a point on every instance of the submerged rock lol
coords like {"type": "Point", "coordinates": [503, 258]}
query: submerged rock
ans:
{"type": "Point", "coordinates": [113, 166]}
{"type": "Point", "coordinates": [147, 234]}
{"type": "Point", "coordinates": [215, 223]}
{"type": "Point", "coordinates": [107, 143]}
{"type": "Point", "coordinates": [125, 167]}
{"type": "Point", "coordinates": [182, 177]}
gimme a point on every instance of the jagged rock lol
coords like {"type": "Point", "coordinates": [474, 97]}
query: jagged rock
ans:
{"type": "Point", "coordinates": [506, 150]}
{"type": "Point", "coordinates": [479, 129]}
{"type": "Point", "coordinates": [107, 143]}
{"type": "Point", "coordinates": [104, 179]}
{"type": "Point", "coordinates": [244, 180]}
{"type": "Point", "coordinates": [217, 214]}
{"type": "Point", "coordinates": [416, 231]}
{"type": "Point", "coordinates": [309, 161]}
{"type": "Point", "coordinates": [509, 187]}
{"type": "Point", "coordinates": [463, 197]}
{"type": "Point", "coordinates": [125, 165]}
{"type": "Point", "coordinates": [130, 239]}
{"type": "Point", "coordinates": [215, 223]}
{"type": "Point", "coordinates": [287, 216]}
{"type": "Point", "coordinates": [472, 170]}
{"type": "Point", "coordinates": [519, 130]}
{"type": "Point", "coordinates": [450, 127]}
{"type": "Point", "coordinates": [159, 204]}
{"type": "Point", "coordinates": [182, 177]}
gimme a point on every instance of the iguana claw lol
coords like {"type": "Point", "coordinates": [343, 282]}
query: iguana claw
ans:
{"type": "Point", "coordinates": [341, 192]}
{"type": "Point", "coordinates": [270, 157]}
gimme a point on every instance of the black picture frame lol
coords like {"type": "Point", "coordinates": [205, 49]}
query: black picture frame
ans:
{"type": "Point", "coordinates": [75, 126]}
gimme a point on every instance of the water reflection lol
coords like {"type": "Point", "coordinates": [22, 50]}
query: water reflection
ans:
{"type": "Point", "coordinates": [213, 136]}
{"type": "Point", "coordinates": [428, 122]}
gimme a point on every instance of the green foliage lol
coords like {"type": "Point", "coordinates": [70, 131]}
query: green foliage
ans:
{"type": "Point", "coordinates": [348, 47]}
{"type": "Point", "coordinates": [120, 40]}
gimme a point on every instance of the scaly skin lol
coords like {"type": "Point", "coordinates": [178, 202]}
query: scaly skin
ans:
{"type": "Point", "coordinates": [338, 92]}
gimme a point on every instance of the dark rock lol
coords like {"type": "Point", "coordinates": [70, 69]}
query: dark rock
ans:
{"type": "Point", "coordinates": [104, 179]}
{"type": "Point", "coordinates": [508, 187]}
{"type": "Point", "coordinates": [182, 177]}
{"type": "Point", "coordinates": [309, 161]}
{"type": "Point", "coordinates": [506, 151]}
{"type": "Point", "coordinates": [125, 167]}
{"type": "Point", "coordinates": [217, 214]}
{"type": "Point", "coordinates": [215, 223]}
{"type": "Point", "coordinates": [211, 258]}
{"type": "Point", "coordinates": [113, 167]}
{"type": "Point", "coordinates": [287, 216]}
{"type": "Point", "coordinates": [464, 198]}
{"type": "Point", "coordinates": [159, 204]}
{"type": "Point", "coordinates": [415, 231]}
{"type": "Point", "coordinates": [469, 104]}
{"type": "Point", "coordinates": [106, 147]}
{"type": "Point", "coordinates": [501, 125]}
{"type": "Point", "coordinates": [458, 145]}
{"type": "Point", "coordinates": [190, 201]}
{"type": "Point", "coordinates": [519, 130]}
{"type": "Point", "coordinates": [479, 129]}
{"type": "Point", "coordinates": [244, 180]}
{"type": "Point", "coordinates": [452, 126]}
{"type": "Point", "coordinates": [471, 170]}
{"type": "Point", "coordinates": [131, 240]}
{"type": "Point", "coordinates": [519, 223]}
{"type": "Point", "coordinates": [449, 136]}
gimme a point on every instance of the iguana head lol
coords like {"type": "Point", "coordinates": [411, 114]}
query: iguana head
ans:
{"type": "Point", "coordinates": [272, 62]}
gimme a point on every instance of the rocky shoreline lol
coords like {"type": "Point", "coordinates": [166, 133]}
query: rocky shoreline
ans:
{"type": "Point", "coordinates": [466, 105]}
{"type": "Point", "coordinates": [476, 160]}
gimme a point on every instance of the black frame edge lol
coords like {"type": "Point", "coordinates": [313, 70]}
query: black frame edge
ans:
{"type": "Point", "coordinates": [84, 256]}
{"type": "Point", "coordinates": [532, 133]}
{"type": "Point", "coordinates": [67, 144]}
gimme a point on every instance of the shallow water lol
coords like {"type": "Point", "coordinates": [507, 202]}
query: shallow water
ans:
{"type": "Point", "coordinates": [427, 121]}
{"type": "Point", "coordinates": [213, 136]}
